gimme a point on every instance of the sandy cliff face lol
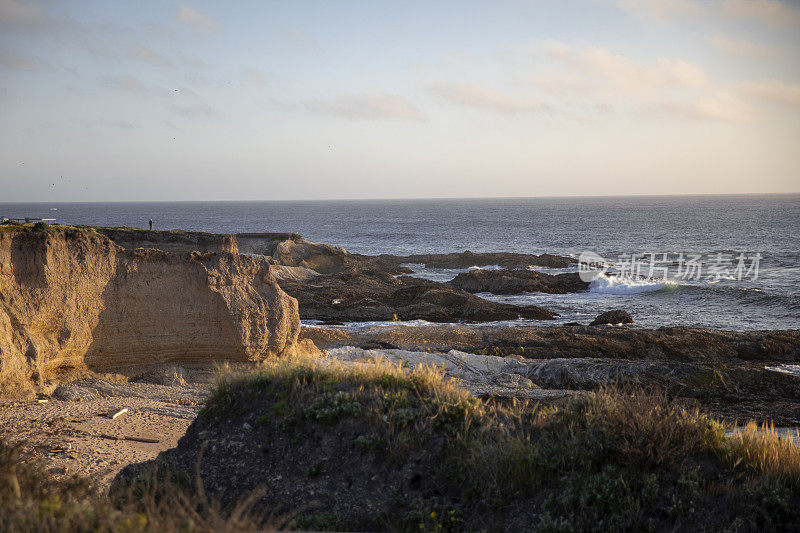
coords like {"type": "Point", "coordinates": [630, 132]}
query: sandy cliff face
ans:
{"type": "Point", "coordinates": [72, 299]}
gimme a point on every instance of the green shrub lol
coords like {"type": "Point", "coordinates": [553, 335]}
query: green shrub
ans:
{"type": "Point", "coordinates": [628, 460]}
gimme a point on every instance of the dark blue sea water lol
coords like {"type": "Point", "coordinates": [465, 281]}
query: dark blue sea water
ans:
{"type": "Point", "coordinates": [612, 227]}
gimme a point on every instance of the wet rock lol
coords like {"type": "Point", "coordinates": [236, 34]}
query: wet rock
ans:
{"type": "Point", "coordinates": [518, 281]}
{"type": "Point", "coordinates": [544, 342]}
{"type": "Point", "coordinates": [376, 295]}
{"type": "Point", "coordinates": [590, 373]}
{"type": "Point", "coordinates": [467, 259]}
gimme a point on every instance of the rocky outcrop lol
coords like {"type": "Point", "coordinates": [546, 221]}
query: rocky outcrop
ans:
{"type": "Point", "coordinates": [334, 285]}
{"type": "Point", "coordinates": [264, 243]}
{"type": "Point", "coordinates": [287, 249]}
{"type": "Point", "coordinates": [613, 317]}
{"type": "Point", "coordinates": [72, 299]}
{"type": "Point", "coordinates": [292, 250]}
{"type": "Point", "coordinates": [290, 273]}
{"type": "Point", "coordinates": [722, 372]}
{"type": "Point", "coordinates": [482, 375]}
{"type": "Point", "coordinates": [467, 259]}
{"type": "Point", "coordinates": [170, 241]}
{"type": "Point", "coordinates": [539, 379]}
{"type": "Point", "coordinates": [534, 342]}
{"type": "Point", "coordinates": [376, 295]}
{"type": "Point", "coordinates": [517, 281]}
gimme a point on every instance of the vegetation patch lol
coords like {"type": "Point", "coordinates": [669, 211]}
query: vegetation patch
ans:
{"type": "Point", "coordinates": [317, 444]}
{"type": "Point", "coordinates": [378, 446]}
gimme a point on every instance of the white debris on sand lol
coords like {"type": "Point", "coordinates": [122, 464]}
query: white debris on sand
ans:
{"type": "Point", "coordinates": [74, 434]}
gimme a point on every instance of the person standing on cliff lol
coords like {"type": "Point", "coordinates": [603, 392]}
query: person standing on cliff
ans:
{"type": "Point", "coordinates": [151, 224]}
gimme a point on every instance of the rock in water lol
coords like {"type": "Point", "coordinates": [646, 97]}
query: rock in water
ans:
{"type": "Point", "coordinates": [364, 296]}
{"type": "Point", "coordinates": [71, 299]}
{"type": "Point", "coordinates": [468, 259]}
{"type": "Point", "coordinates": [518, 281]}
{"type": "Point", "coordinates": [616, 316]}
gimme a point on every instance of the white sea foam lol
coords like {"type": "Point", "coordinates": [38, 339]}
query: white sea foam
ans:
{"type": "Point", "coordinates": [793, 370]}
{"type": "Point", "coordinates": [617, 285]}
{"type": "Point", "coordinates": [486, 267]}
{"type": "Point", "coordinates": [549, 270]}
{"type": "Point", "coordinates": [312, 323]}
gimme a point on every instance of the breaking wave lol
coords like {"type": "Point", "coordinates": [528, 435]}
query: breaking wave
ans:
{"type": "Point", "coordinates": [617, 285]}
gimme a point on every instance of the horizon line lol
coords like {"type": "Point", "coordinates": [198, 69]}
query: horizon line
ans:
{"type": "Point", "coordinates": [421, 198]}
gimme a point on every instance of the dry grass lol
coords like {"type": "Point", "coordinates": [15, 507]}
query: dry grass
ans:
{"type": "Point", "coordinates": [426, 379]}
{"type": "Point", "coordinates": [649, 428]}
{"type": "Point", "coordinates": [763, 450]}
{"type": "Point", "coordinates": [628, 460]}
{"type": "Point", "coordinates": [306, 371]}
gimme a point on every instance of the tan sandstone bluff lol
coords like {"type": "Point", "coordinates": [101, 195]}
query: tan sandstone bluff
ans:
{"type": "Point", "coordinates": [71, 299]}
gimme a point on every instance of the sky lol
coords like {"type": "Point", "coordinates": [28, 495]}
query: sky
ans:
{"type": "Point", "coordinates": [263, 100]}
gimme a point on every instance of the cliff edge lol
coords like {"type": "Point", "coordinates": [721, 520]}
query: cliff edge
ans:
{"type": "Point", "coordinates": [71, 299]}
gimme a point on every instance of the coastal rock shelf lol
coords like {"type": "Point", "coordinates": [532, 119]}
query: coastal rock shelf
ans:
{"type": "Point", "coordinates": [723, 372]}
{"type": "Point", "coordinates": [334, 285]}
{"type": "Point", "coordinates": [374, 295]}
{"type": "Point", "coordinates": [469, 259]}
{"type": "Point", "coordinates": [518, 281]}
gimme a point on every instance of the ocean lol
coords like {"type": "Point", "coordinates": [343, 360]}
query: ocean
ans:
{"type": "Point", "coordinates": [733, 262]}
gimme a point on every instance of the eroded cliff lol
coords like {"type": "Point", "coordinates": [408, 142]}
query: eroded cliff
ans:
{"type": "Point", "coordinates": [71, 299]}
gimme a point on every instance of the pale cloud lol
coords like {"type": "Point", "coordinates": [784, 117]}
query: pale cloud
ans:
{"type": "Point", "coordinates": [772, 12]}
{"type": "Point", "coordinates": [302, 40]}
{"type": "Point", "coordinates": [661, 8]}
{"type": "Point", "coordinates": [377, 106]}
{"type": "Point", "coordinates": [254, 76]}
{"type": "Point", "coordinates": [123, 82]}
{"type": "Point", "coordinates": [722, 106]}
{"type": "Point", "coordinates": [195, 111]}
{"type": "Point", "coordinates": [485, 98]}
{"type": "Point", "coordinates": [131, 84]}
{"type": "Point", "coordinates": [744, 49]}
{"type": "Point", "coordinates": [121, 124]}
{"type": "Point", "coordinates": [192, 61]}
{"type": "Point", "coordinates": [22, 62]}
{"type": "Point", "coordinates": [623, 72]}
{"type": "Point", "coordinates": [146, 55]}
{"type": "Point", "coordinates": [195, 18]}
{"type": "Point", "coordinates": [774, 91]}
{"type": "Point", "coordinates": [17, 13]}
{"type": "Point", "coordinates": [583, 77]}
{"type": "Point", "coordinates": [558, 82]}
{"type": "Point", "coordinates": [104, 123]}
